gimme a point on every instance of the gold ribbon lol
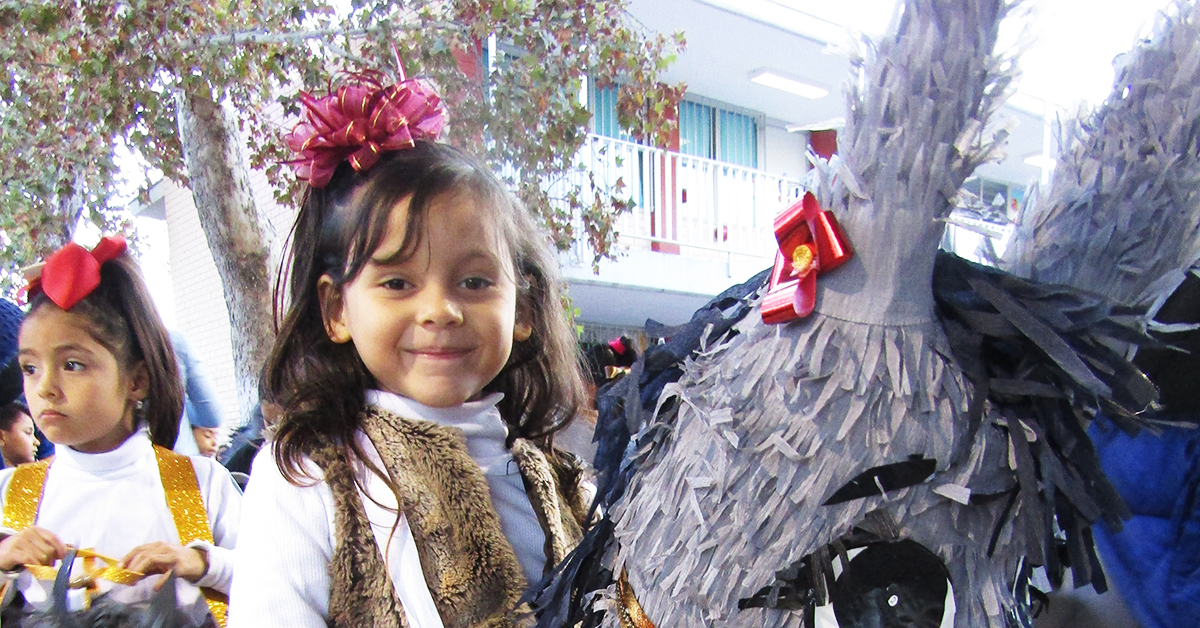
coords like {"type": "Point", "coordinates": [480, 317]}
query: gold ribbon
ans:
{"type": "Point", "coordinates": [615, 371]}
{"type": "Point", "coordinates": [630, 611]}
{"type": "Point", "coordinates": [181, 489]}
{"type": "Point", "coordinates": [96, 566]}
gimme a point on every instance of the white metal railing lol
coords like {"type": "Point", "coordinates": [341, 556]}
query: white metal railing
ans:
{"type": "Point", "coordinates": [680, 201]}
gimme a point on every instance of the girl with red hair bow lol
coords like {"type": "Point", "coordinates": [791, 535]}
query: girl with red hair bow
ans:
{"type": "Point", "coordinates": [102, 382]}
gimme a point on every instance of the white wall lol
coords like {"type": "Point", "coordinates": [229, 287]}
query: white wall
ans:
{"type": "Point", "coordinates": [200, 310]}
{"type": "Point", "coordinates": [785, 152]}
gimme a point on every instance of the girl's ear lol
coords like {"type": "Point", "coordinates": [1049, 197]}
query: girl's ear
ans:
{"type": "Point", "coordinates": [522, 329]}
{"type": "Point", "coordinates": [139, 382]}
{"type": "Point", "coordinates": [332, 310]}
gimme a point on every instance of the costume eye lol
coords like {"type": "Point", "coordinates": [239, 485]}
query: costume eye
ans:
{"type": "Point", "coordinates": [476, 283]}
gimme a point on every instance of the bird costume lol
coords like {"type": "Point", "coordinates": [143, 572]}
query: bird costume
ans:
{"type": "Point", "coordinates": [874, 433]}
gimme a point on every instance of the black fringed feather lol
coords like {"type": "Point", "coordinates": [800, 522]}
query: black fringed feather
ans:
{"type": "Point", "coordinates": [625, 407]}
{"type": "Point", "coordinates": [1047, 357]}
{"type": "Point", "coordinates": [1042, 356]}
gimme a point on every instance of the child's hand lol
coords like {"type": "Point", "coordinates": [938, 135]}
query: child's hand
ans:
{"type": "Point", "coordinates": [187, 563]}
{"type": "Point", "coordinates": [32, 546]}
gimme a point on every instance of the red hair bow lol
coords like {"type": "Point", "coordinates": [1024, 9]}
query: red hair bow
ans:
{"type": "Point", "coordinates": [358, 122]}
{"type": "Point", "coordinates": [810, 242]}
{"type": "Point", "coordinates": [72, 272]}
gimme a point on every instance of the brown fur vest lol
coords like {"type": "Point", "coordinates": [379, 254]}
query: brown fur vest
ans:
{"type": "Point", "coordinates": [469, 566]}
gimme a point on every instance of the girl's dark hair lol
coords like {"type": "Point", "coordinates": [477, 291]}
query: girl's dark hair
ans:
{"type": "Point", "coordinates": [123, 320]}
{"type": "Point", "coordinates": [321, 384]}
{"type": "Point", "coordinates": [9, 413]}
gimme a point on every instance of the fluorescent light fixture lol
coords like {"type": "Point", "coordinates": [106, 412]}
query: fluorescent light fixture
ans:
{"type": "Point", "coordinates": [824, 125]}
{"type": "Point", "coordinates": [1038, 160]}
{"type": "Point", "coordinates": [771, 78]}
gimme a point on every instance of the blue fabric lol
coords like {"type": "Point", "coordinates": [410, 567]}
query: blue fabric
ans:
{"type": "Point", "coordinates": [11, 315]}
{"type": "Point", "coordinates": [200, 400]}
{"type": "Point", "coordinates": [1155, 560]}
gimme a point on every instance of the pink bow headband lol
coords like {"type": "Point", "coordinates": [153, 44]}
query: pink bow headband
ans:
{"type": "Point", "coordinates": [359, 121]}
{"type": "Point", "coordinates": [73, 272]}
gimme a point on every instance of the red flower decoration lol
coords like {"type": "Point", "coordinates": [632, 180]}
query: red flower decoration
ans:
{"type": "Point", "coordinates": [72, 272]}
{"type": "Point", "coordinates": [359, 121]}
{"type": "Point", "coordinates": [810, 243]}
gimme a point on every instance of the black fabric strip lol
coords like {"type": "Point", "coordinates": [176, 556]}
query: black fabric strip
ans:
{"type": "Point", "coordinates": [891, 477]}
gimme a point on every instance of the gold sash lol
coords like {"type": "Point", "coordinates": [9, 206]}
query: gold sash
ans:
{"type": "Point", "coordinates": [24, 495]}
{"type": "Point", "coordinates": [180, 486]}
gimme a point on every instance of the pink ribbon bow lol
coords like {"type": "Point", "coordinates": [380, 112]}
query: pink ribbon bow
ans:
{"type": "Point", "coordinates": [358, 122]}
{"type": "Point", "coordinates": [810, 243]}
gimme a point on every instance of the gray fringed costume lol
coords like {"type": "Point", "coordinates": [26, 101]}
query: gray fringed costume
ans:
{"type": "Point", "coordinates": [1122, 215]}
{"type": "Point", "coordinates": [921, 434]}
{"type": "Point", "coordinates": [772, 422]}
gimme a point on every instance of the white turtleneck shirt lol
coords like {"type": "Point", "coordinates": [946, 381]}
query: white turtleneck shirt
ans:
{"type": "Point", "coordinates": [288, 535]}
{"type": "Point", "coordinates": [112, 502]}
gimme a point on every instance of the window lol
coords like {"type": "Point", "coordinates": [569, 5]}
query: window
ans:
{"type": "Point", "coordinates": [715, 133]}
{"type": "Point", "coordinates": [603, 103]}
{"type": "Point", "coordinates": [695, 129]}
{"type": "Point", "coordinates": [705, 130]}
{"type": "Point", "coordinates": [718, 133]}
{"type": "Point", "coordinates": [738, 139]}
{"type": "Point", "coordinates": [995, 200]}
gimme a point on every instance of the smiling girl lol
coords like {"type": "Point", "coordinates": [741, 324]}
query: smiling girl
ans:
{"type": "Point", "coordinates": [101, 383]}
{"type": "Point", "coordinates": [423, 364]}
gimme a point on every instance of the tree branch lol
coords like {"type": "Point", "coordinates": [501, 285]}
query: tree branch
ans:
{"type": "Point", "coordinates": [263, 36]}
{"type": "Point", "coordinates": [345, 54]}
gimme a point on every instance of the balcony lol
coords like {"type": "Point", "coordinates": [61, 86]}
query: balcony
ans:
{"type": "Point", "coordinates": [697, 227]}
{"type": "Point", "coordinates": [689, 203]}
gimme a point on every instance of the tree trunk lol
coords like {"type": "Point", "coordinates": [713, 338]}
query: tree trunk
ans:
{"type": "Point", "coordinates": [219, 180]}
{"type": "Point", "coordinates": [67, 209]}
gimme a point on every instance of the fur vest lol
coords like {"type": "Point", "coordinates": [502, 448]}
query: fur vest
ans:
{"type": "Point", "coordinates": [469, 566]}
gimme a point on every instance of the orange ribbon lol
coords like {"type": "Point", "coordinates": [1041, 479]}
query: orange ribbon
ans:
{"type": "Point", "coordinates": [810, 243]}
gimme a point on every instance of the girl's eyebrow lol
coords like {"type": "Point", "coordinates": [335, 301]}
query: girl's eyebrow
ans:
{"type": "Point", "coordinates": [479, 254]}
{"type": "Point", "coordinates": [59, 349]}
{"type": "Point", "coordinates": [390, 260]}
{"type": "Point", "coordinates": [394, 260]}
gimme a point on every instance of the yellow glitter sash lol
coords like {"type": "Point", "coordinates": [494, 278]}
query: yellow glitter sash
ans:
{"type": "Point", "coordinates": [629, 611]}
{"type": "Point", "coordinates": [187, 509]}
{"type": "Point", "coordinates": [24, 495]}
{"type": "Point", "coordinates": [182, 491]}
